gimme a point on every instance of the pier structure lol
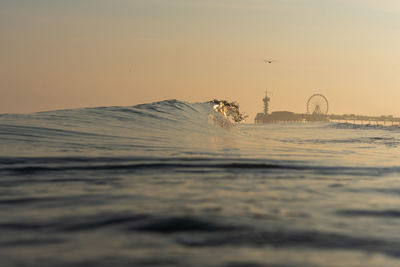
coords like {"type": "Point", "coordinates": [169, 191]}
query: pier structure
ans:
{"type": "Point", "coordinates": [387, 120]}
{"type": "Point", "coordinates": [317, 111]}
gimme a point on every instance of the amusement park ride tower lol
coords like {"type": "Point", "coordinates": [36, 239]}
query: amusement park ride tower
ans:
{"type": "Point", "coordinates": [266, 103]}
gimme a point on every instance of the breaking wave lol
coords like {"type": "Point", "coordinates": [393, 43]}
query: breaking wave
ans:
{"type": "Point", "coordinates": [161, 125]}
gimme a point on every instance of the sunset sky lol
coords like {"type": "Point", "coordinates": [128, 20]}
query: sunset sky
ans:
{"type": "Point", "coordinates": [57, 54]}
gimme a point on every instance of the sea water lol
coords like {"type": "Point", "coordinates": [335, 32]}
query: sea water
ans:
{"type": "Point", "coordinates": [176, 184]}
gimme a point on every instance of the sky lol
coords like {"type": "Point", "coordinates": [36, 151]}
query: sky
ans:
{"type": "Point", "coordinates": [59, 54]}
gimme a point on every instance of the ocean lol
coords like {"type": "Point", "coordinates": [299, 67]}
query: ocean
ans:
{"type": "Point", "coordinates": [173, 183]}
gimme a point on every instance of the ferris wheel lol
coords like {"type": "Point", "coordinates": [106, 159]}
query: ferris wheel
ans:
{"type": "Point", "coordinates": [317, 104]}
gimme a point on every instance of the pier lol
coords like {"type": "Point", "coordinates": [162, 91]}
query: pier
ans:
{"type": "Point", "coordinates": [317, 111]}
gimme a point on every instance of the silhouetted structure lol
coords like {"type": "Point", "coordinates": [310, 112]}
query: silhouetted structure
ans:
{"type": "Point", "coordinates": [317, 111]}
{"type": "Point", "coordinates": [317, 107]}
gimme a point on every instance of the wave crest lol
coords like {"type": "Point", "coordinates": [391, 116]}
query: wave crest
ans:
{"type": "Point", "coordinates": [229, 109]}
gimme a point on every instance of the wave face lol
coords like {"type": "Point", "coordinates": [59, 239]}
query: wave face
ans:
{"type": "Point", "coordinates": [164, 127]}
{"type": "Point", "coordinates": [177, 183]}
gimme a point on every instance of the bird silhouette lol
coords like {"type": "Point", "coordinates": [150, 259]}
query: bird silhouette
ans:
{"type": "Point", "coordinates": [269, 61]}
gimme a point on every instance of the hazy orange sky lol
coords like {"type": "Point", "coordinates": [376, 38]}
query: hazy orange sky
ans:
{"type": "Point", "coordinates": [79, 53]}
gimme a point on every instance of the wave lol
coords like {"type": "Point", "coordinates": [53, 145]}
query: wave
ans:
{"type": "Point", "coordinates": [58, 165]}
{"type": "Point", "coordinates": [163, 112]}
{"type": "Point", "coordinates": [174, 128]}
{"type": "Point", "coordinates": [166, 124]}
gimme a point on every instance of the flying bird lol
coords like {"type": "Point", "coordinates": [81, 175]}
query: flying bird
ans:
{"type": "Point", "coordinates": [269, 61]}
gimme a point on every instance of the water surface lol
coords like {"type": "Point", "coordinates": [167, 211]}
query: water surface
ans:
{"type": "Point", "coordinates": [176, 184]}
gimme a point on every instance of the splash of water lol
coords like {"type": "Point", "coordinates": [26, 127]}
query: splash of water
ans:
{"type": "Point", "coordinates": [230, 110]}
